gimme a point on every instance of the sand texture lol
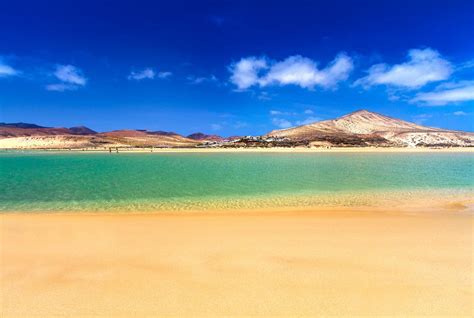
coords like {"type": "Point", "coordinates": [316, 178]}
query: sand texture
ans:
{"type": "Point", "coordinates": [300, 263]}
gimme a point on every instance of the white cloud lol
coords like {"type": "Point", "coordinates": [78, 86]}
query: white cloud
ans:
{"type": "Point", "coordinates": [146, 73]}
{"type": "Point", "coordinates": [303, 72]}
{"type": "Point", "coordinates": [459, 113]}
{"type": "Point", "coordinates": [446, 94]}
{"type": "Point", "coordinates": [308, 112]}
{"type": "Point", "coordinates": [61, 87]}
{"type": "Point", "coordinates": [70, 74]}
{"type": "Point", "coordinates": [308, 120]}
{"type": "Point", "coordinates": [294, 70]}
{"type": "Point", "coordinates": [164, 75]}
{"type": "Point", "coordinates": [276, 112]}
{"type": "Point", "coordinates": [245, 72]}
{"type": "Point", "coordinates": [7, 70]}
{"type": "Point", "coordinates": [202, 79]}
{"type": "Point", "coordinates": [423, 66]}
{"type": "Point", "coordinates": [264, 96]}
{"type": "Point", "coordinates": [466, 65]}
{"type": "Point", "coordinates": [281, 123]}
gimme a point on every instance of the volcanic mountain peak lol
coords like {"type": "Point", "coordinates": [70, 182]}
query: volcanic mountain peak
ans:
{"type": "Point", "coordinates": [366, 122]}
{"type": "Point", "coordinates": [361, 122]}
{"type": "Point", "coordinates": [370, 128]}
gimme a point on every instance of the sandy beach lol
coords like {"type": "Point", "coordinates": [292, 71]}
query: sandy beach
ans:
{"type": "Point", "coordinates": [249, 150]}
{"type": "Point", "coordinates": [292, 263]}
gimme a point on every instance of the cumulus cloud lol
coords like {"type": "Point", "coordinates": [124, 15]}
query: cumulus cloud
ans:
{"type": "Point", "coordinates": [423, 66]}
{"type": "Point", "coordinates": [70, 77]}
{"type": "Point", "coordinates": [447, 94]}
{"type": "Point", "coordinates": [245, 73]}
{"type": "Point", "coordinates": [308, 112]}
{"type": "Point", "coordinates": [294, 70]}
{"type": "Point", "coordinates": [459, 113]}
{"type": "Point", "coordinates": [281, 123]}
{"type": "Point", "coordinates": [303, 72]}
{"type": "Point", "coordinates": [146, 73]}
{"type": "Point", "coordinates": [7, 70]}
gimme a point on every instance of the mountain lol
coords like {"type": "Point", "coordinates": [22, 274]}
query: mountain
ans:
{"type": "Point", "coordinates": [144, 138]}
{"type": "Point", "coordinates": [203, 137]}
{"type": "Point", "coordinates": [24, 129]}
{"type": "Point", "coordinates": [358, 129]}
{"type": "Point", "coordinates": [164, 133]}
{"type": "Point", "coordinates": [30, 136]}
{"type": "Point", "coordinates": [365, 128]}
{"type": "Point", "coordinates": [82, 130]}
{"type": "Point", "coordinates": [20, 125]}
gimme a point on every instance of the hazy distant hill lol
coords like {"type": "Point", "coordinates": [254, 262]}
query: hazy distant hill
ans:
{"type": "Point", "coordinates": [24, 129]}
{"type": "Point", "coordinates": [203, 137]}
{"type": "Point", "coordinates": [31, 136]}
{"type": "Point", "coordinates": [365, 128]}
{"type": "Point", "coordinates": [20, 125]}
{"type": "Point", "coordinates": [82, 130]}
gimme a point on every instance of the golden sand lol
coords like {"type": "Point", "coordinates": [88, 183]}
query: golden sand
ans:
{"type": "Point", "coordinates": [300, 263]}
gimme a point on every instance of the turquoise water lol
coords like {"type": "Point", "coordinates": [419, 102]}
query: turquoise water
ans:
{"type": "Point", "coordinates": [181, 181]}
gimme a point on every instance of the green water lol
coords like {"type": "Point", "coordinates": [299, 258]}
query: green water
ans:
{"type": "Point", "coordinates": [182, 181]}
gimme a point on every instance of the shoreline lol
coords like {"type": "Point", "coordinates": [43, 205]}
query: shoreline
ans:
{"type": "Point", "coordinates": [296, 263]}
{"type": "Point", "coordinates": [247, 150]}
{"type": "Point", "coordinates": [406, 201]}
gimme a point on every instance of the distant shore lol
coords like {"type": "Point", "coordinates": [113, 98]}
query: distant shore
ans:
{"type": "Point", "coordinates": [250, 149]}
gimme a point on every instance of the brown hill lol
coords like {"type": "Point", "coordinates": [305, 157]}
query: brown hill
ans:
{"type": "Point", "coordinates": [24, 129]}
{"type": "Point", "coordinates": [82, 130]}
{"type": "Point", "coordinates": [30, 136]}
{"type": "Point", "coordinates": [143, 138]}
{"type": "Point", "coordinates": [21, 125]}
{"type": "Point", "coordinates": [365, 128]}
{"type": "Point", "coordinates": [204, 137]}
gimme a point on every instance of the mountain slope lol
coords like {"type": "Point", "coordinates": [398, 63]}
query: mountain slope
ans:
{"type": "Point", "coordinates": [82, 130]}
{"type": "Point", "coordinates": [30, 136]}
{"type": "Point", "coordinates": [144, 138]}
{"type": "Point", "coordinates": [204, 137]}
{"type": "Point", "coordinates": [24, 129]}
{"type": "Point", "coordinates": [20, 125]}
{"type": "Point", "coordinates": [365, 128]}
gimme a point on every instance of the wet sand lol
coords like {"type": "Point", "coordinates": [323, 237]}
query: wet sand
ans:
{"type": "Point", "coordinates": [291, 263]}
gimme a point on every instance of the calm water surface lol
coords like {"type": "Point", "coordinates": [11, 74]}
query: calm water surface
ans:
{"type": "Point", "coordinates": [181, 181]}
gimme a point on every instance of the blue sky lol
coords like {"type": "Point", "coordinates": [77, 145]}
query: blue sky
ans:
{"type": "Point", "coordinates": [234, 67]}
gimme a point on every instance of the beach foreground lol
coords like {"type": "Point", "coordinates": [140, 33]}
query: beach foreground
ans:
{"type": "Point", "coordinates": [300, 262]}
